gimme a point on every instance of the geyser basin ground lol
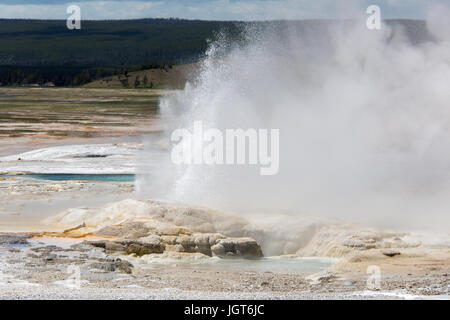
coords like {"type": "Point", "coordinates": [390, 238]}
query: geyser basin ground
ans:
{"type": "Point", "coordinates": [420, 271]}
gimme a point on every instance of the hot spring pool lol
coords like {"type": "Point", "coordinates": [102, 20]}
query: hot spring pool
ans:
{"type": "Point", "coordinates": [275, 264]}
{"type": "Point", "coordinates": [268, 264]}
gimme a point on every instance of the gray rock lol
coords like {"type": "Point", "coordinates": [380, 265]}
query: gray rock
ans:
{"type": "Point", "coordinates": [141, 248]}
{"type": "Point", "coordinates": [391, 253]}
{"type": "Point", "coordinates": [358, 244]}
{"type": "Point", "coordinates": [198, 243]}
{"type": "Point", "coordinates": [237, 247]}
{"type": "Point", "coordinates": [97, 253]}
{"type": "Point", "coordinates": [48, 257]}
{"type": "Point", "coordinates": [111, 246]}
{"type": "Point", "coordinates": [118, 265]}
{"type": "Point", "coordinates": [7, 238]}
{"type": "Point", "coordinates": [211, 244]}
{"type": "Point", "coordinates": [128, 246]}
{"type": "Point", "coordinates": [129, 230]}
{"type": "Point", "coordinates": [47, 249]}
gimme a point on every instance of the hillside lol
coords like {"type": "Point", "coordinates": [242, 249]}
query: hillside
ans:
{"type": "Point", "coordinates": [114, 53]}
{"type": "Point", "coordinates": [104, 43]}
{"type": "Point", "coordinates": [174, 77]}
{"type": "Point", "coordinates": [41, 52]}
{"type": "Point", "coordinates": [129, 42]}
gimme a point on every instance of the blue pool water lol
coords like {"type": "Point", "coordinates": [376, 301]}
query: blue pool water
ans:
{"type": "Point", "coordinates": [81, 177]}
{"type": "Point", "coordinates": [267, 264]}
{"type": "Point", "coordinates": [278, 264]}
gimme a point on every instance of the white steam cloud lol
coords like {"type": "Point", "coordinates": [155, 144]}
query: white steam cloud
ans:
{"type": "Point", "coordinates": [364, 119]}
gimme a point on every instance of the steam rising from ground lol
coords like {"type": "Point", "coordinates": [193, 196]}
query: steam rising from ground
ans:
{"type": "Point", "coordinates": [364, 119]}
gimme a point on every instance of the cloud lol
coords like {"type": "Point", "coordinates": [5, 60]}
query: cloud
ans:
{"type": "Point", "coordinates": [210, 9]}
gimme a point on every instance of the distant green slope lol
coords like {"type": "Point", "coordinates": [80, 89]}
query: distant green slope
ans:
{"type": "Point", "coordinates": [174, 77]}
{"type": "Point", "coordinates": [45, 52]}
{"type": "Point", "coordinates": [104, 43]}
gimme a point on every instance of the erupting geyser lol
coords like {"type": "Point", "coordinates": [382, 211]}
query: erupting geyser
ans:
{"type": "Point", "coordinates": [364, 120]}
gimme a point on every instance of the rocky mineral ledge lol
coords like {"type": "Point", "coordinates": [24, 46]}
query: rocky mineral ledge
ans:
{"type": "Point", "coordinates": [210, 244]}
{"type": "Point", "coordinates": [148, 227]}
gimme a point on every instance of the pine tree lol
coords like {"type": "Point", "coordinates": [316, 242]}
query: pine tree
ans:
{"type": "Point", "coordinates": [145, 81]}
{"type": "Point", "coordinates": [137, 82]}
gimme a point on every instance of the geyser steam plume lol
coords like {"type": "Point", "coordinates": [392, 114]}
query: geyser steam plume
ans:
{"type": "Point", "coordinates": [364, 119]}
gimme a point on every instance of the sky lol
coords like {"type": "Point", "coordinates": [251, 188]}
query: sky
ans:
{"type": "Point", "coordinates": [214, 9]}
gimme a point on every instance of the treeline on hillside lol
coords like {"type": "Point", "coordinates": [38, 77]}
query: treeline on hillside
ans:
{"type": "Point", "coordinates": [40, 52]}
{"type": "Point", "coordinates": [45, 51]}
{"type": "Point", "coordinates": [105, 43]}
{"type": "Point", "coordinates": [66, 75]}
